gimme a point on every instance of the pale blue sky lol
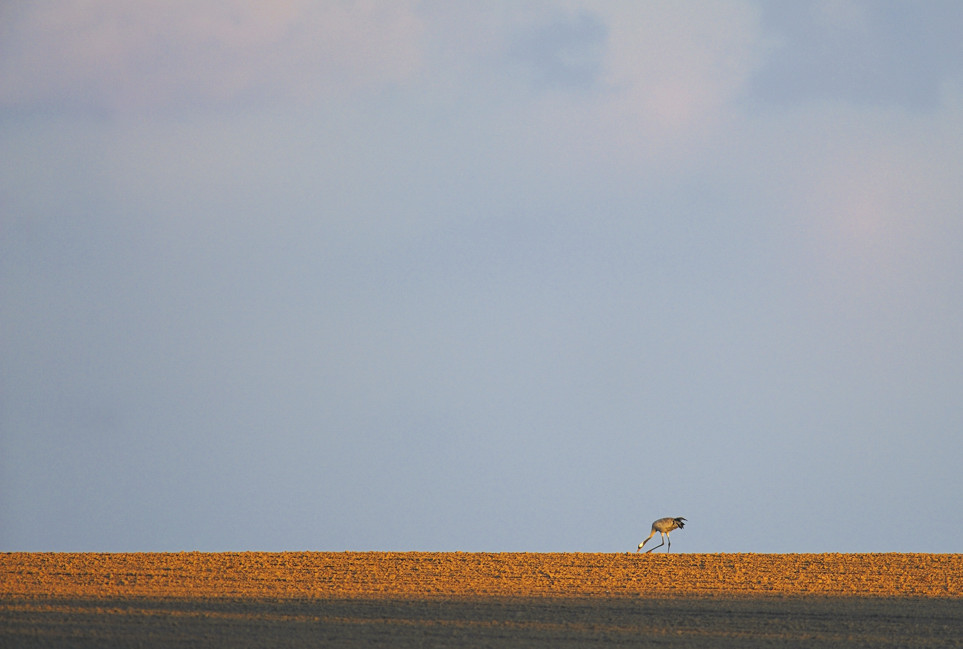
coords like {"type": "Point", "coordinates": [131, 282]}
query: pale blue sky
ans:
{"type": "Point", "coordinates": [502, 276]}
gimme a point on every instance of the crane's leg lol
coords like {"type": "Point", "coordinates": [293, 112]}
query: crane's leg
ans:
{"type": "Point", "coordinates": [657, 546]}
{"type": "Point", "coordinates": [670, 543]}
{"type": "Point", "coordinates": [645, 541]}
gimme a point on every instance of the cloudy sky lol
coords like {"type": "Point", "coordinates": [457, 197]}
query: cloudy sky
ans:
{"type": "Point", "coordinates": [481, 276]}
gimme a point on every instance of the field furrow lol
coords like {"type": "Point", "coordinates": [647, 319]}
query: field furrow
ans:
{"type": "Point", "coordinates": [365, 574]}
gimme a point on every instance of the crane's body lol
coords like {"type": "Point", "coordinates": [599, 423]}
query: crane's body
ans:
{"type": "Point", "coordinates": [663, 526]}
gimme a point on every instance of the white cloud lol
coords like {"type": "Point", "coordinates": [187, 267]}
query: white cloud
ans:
{"type": "Point", "coordinates": [109, 55]}
{"type": "Point", "coordinates": [667, 82]}
{"type": "Point", "coordinates": [658, 74]}
{"type": "Point", "coordinates": [676, 66]}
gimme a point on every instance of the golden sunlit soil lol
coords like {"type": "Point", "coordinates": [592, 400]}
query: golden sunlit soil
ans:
{"type": "Point", "coordinates": [474, 599]}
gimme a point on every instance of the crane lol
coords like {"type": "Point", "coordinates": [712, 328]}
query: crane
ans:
{"type": "Point", "coordinates": [663, 526]}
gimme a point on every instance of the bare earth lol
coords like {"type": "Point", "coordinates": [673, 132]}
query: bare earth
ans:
{"type": "Point", "coordinates": [372, 599]}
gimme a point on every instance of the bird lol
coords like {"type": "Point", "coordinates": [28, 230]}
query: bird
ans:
{"type": "Point", "coordinates": [663, 526]}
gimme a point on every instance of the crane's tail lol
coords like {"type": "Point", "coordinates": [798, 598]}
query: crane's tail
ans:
{"type": "Point", "coordinates": [680, 522]}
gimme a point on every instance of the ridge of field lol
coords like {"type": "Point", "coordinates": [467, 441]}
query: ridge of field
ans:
{"type": "Point", "coordinates": [346, 575]}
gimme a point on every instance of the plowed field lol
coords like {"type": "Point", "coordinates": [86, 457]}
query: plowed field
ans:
{"type": "Point", "coordinates": [472, 599]}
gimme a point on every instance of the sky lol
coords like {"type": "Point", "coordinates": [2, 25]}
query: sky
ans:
{"type": "Point", "coordinates": [460, 276]}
